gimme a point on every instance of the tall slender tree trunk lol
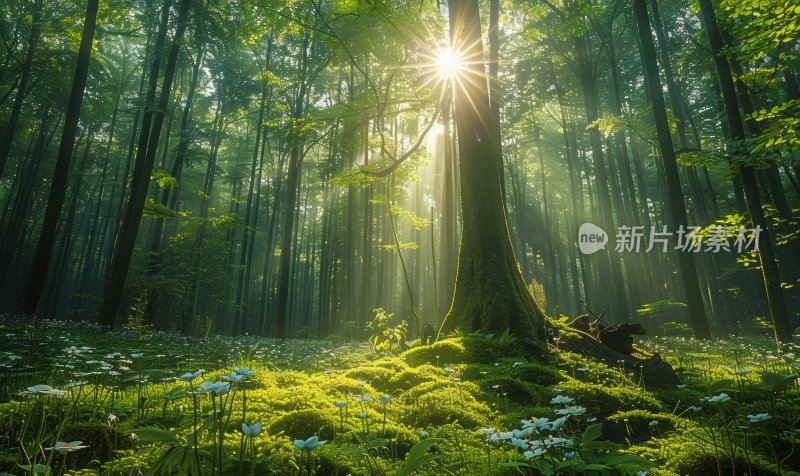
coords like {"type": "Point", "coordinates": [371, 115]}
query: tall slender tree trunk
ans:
{"type": "Point", "coordinates": [292, 188]}
{"type": "Point", "coordinates": [766, 254]}
{"type": "Point", "coordinates": [22, 86]}
{"type": "Point", "coordinates": [365, 305]}
{"type": "Point", "coordinates": [578, 205]}
{"type": "Point", "coordinates": [493, 67]}
{"type": "Point", "coordinates": [619, 306]}
{"type": "Point", "coordinates": [548, 253]}
{"type": "Point", "coordinates": [58, 188]}
{"type": "Point", "coordinates": [255, 175]}
{"type": "Point", "coordinates": [98, 236]}
{"type": "Point", "coordinates": [266, 282]}
{"type": "Point", "coordinates": [449, 234]}
{"type": "Point", "coordinates": [677, 207]}
{"type": "Point", "coordinates": [638, 261]}
{"type": "Point", "coordinates": [15, 214]}
{"type": "Point", "coordinates": [145, 157]}
{"type": "Point", "coordinates": [169, 196]}
{"type": "Point", "coordinates": [710, 268]}
{"type": "Point", "coordinates": [61, 274]}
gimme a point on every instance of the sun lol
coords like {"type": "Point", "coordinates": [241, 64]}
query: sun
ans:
{"type": "Point", "coordinates": [449, 63]}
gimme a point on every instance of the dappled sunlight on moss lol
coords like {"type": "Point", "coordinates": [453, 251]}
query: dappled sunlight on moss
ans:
{"type": "Point", "coordinates": [602, 400]}
{"type": "Point", "coordinates": [678, 397]}
{"type": "Point", "coordinates": [300, 424]}
{"type": "Point", "coordinates": [383, 404]}
{"type": "Point", "coordinates": [585, 369]}
{"type": "Point", "coordinates": [516, 390]}
{"type": "Point", "coordinates": [447, 351]}
{"type": "Point", "coordinates": [413, 377]}
{"type": "Point", "coordinates": [531, 372]}
{"type": "Point", "coordinates": [439, 402]}
{"type": "Point", "coordinates": [646, 423]}
{"type": "Point", "coordinates": [688, 453]}
{"type": "Point", "coordinates": [377, 377]}
{"type": "Point", "coordinates": [396, 364]}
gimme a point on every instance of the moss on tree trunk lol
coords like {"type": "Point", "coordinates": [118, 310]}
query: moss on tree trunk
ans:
{"type": "Point", "coordinates": [490, 294]}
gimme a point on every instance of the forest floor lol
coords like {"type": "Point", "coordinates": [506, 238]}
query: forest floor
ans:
{"type": "Point", "coordinates": [81, 400]}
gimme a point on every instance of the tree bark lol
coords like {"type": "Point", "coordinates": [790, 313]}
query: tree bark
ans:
{"type": "Point", "coordinates": [616, 283]}
{"type": "Point", "coordinates": [145, 157]}
{"type": "Point", "coordinates": [677, 207]}
{"type": "Point", "coordinates": [766, 254]}
{"type": "Point", "coordinates": [292, 188]}
{"type": "Point", "coordinates": [22, 86]}
{"type": "Point", "coordinates": [58, 188]}
{"type": "Point", "coordinates": [490, 294]}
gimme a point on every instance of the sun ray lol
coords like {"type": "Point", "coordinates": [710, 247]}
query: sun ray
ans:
{"type": "Point", "coordinates": [449, 63]}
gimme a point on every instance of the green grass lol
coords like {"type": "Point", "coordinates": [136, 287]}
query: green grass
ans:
{"type": "Point", "coordinates": [136, 417]}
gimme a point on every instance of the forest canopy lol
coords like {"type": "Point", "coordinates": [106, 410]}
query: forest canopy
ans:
{"type": "Point", "coordinates": [284, 169]}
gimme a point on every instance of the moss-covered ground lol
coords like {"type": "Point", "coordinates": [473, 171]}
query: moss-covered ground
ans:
{"type": "Point", "coordinates": [139, 404]}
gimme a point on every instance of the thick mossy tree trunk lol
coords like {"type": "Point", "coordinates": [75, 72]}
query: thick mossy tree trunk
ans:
{"type": "Point", "coordinates": [490, 294]}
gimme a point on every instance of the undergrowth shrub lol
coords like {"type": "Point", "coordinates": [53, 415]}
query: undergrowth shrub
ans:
{"type": "Point", "coordinates": [330, 462]}
{"type": "Point", "coordinates": [582, 368]}
{"type": "Point", "coordinates": [486, 349]}
{"type": "Point", "coordinates": [106, 440]}
{"type": "Point", "coordinates": [395, 364]}
{"type": "Point", "coordinates": [528, 372]}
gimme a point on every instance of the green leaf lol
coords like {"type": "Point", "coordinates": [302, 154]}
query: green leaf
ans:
{"type": "Point", "coordinates": [602, 445]}
{"type": "Point", "coordinates": [725, 385]}
{"type": "Point", "coordinates": [628, 459]}
{"type": "Point", "coordinates": [175, 394]}
{"type": "Point", "coordinates": [37, 469]}
{"type": "Point", "coordinates": [379, 443]}
{"type": "Point", "coordinates": [592, 433]}
{"type": "Point", "coordinates": [178, 460]}
{"type": "Point", "coordinates": [260, 466]}
{"type": "Point", "coordinates": [515, 464]}
{"type": "Point", "coordinates": [418, 457]}
{"type": "Point", "coordinates": [776, 382]}
{"type": "Point", "coordinates": [352, 450]}
{"type": "Point", "coordinates": [152, 434]}
{"type": "Point", "coordinates": [590, 467]}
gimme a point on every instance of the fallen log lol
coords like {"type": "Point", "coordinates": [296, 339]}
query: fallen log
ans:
{"type": "Point", "coordinates": [620, 336]}
{"type": "Point", "coordinates": [653, 371]}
